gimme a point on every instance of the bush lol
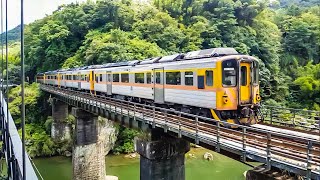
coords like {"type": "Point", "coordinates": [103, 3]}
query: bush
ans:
{"type": "Point", "coordinates": [124, 143]}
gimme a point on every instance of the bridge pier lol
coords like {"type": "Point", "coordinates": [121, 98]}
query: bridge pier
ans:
{"type": "Point", "coordinates": [60, 130]}
{"type": "Point", "coordinates": [262, 172]}
{"type": "Point", "coordinates": [162, 158]}
{"type": "Point", "coordinates": [88, 158]}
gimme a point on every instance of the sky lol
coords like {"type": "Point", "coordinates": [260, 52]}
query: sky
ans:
{"type": "Point", "coordinates": [33, 10]}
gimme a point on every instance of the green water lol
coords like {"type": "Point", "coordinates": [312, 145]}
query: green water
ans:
{"type": "Point", "coordinates": [221, 167]}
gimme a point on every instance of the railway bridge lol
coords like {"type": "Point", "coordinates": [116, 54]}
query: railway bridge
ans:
{"type": "Point", "coordinates": [162, 154]}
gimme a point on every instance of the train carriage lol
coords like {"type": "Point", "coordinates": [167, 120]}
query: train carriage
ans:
{"type": "Point", "coordinates": [217, 83]}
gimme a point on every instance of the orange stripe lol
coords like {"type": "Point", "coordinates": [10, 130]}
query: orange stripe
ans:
{"type": "Point", "coordinates": [180, 87]}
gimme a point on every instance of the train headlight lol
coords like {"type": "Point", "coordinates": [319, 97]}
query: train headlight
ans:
{"type": "Point", "coordinates": [258, 97]}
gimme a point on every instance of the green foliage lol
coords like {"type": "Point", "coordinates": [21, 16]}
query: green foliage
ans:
{"type": "Point", "coordinates": [117, 46]}
{"type": "Point", "coordinates": [70, 119]}
{"type": "Point", "coordinates": [308, 84]}
{"type": "Point", "coordinates": [32, 94]}
{"type": "Point", "coordinates": [124, 143]}
{"type": "Point", "coordinates": [48, 124]}
{"type": "Point", "coordinates": [38, 142]}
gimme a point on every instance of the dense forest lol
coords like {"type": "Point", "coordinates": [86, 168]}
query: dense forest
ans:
{"type": "Point", "coordinates": [284, 35]}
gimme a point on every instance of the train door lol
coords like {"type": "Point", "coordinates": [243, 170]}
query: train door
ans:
{"type": "Point", "coordinates": [59, 79]}
{"type": "Point", "coordinates": [245, 82]}
{"type": "Point", "coordinates": [79, 80]}
{"type": "Point", "coordinates": [91, 78]}
{"type": "Point", "coordinates": [109, 83]}
{"type": "Point", "coordinates": [158, 74]}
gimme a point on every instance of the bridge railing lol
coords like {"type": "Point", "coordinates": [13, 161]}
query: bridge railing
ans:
{"type": "Point", "coordinates": [12, 146]}
{"type": "Point", "coordinates": [279, 149]}
{"type": "Point", "coordinates": [297, 118]}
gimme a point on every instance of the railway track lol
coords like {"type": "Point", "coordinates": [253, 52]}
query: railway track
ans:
{"type": "Point", "coordinates": [300, 151]}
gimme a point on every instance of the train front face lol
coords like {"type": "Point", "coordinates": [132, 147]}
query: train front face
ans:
{"type": "Point", "coordinates": [238, 98]}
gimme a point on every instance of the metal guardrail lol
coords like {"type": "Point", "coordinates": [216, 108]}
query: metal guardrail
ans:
{"type": "Point", "coordinates": [12, 146]}
{"type": "Point", "coordinates": [296, 118]}
{"type": "Point", "coordinates": [295, 154]}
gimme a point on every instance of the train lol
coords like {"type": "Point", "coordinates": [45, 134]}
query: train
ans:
{"type": "Point", "coordinates": [217, 83]}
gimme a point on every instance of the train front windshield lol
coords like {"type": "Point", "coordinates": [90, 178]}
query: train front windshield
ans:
{"type": "Point", "coordinates": [229, 73]}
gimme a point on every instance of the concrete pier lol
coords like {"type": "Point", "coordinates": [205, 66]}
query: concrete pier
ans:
{"type": "Point", "coordinates": [88, 158]}
{"type": "Point", "coordinates": [261, 172]}
{"type": "Point", "coordinates": [163, 158]}
{"type": "Point", "coordinates": [60, 130]}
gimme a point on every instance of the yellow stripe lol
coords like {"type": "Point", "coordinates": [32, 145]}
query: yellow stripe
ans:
{"type": "Point", "coordinates": [214, 115]}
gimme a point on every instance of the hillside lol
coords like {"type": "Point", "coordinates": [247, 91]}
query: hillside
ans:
{"type": "Point", "coordinates": [13, 35]}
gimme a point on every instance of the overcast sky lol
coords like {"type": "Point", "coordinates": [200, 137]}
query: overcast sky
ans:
{"type": "Point", "coordinates": [34, 9]}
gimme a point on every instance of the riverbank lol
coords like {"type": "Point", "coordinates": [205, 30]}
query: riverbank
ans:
{"type": "Point", "coordinates": [221, 167]}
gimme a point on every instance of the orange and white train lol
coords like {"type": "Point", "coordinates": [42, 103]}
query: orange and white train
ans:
{"type": "Point", "coordinates": [219, 83]}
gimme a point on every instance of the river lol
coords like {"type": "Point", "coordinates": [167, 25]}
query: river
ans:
{"type": "Point", "coordinates": [221, 167]}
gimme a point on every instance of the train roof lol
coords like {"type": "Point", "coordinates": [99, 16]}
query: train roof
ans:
{"type": "Point", "coordinates": [213, 52]}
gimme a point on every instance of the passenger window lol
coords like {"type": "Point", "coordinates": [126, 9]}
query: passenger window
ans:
{"type": "Point", "coordinates": [125, 77]}
{"type": "Point", "coordinates": [100, 77]}
{"type": "Point", "coordinates": [139, 78]}
{"type": "Point", "coordinates": [148, 78]}
{"type": "Point", "coordinates": [158, 78]}
{"type": "Point", "coordinates": [97, 78]}
{"type": "Point", "coordinates": [209, 78]}
{"type": "Point", "coordinates": [115, 77]}
{"type": "Point", "coordinates": [188, 78]}
{"type": "Point", "coordinates": [173, 78]}
{"type": "Point", "coordinates": [243, 75]}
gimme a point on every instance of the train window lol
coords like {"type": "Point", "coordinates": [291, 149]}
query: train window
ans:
{"type": "Point", "coordinates": [115, 77]}
{"type": "Point", "coordinates": [87, 78]}
{"type": "Point", "coordinates": [229, 75]}
{"type": "Point", "coordinates": [243, 75]}
{"type": "Point", "coordinates": [125, 77]}
{"type": "Point", "coordinates": [100, 77]}
{"type": "Point", "coordinates": [96, 78]}
{"type": "Point", "coordinates": [148, 78]}
{"type": "Point", "coordinates": [173, 78]}
{"type": "Point", "coordinates": [188, 78]}
{"type": "Point", "coordinates": [158, 78]}
{"type": "Point", "coordinates": [139, 77]}
{"type": "Point", "coordinates": [255, 73]}
{"type": "Point", "coordinates": [209, 78]}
